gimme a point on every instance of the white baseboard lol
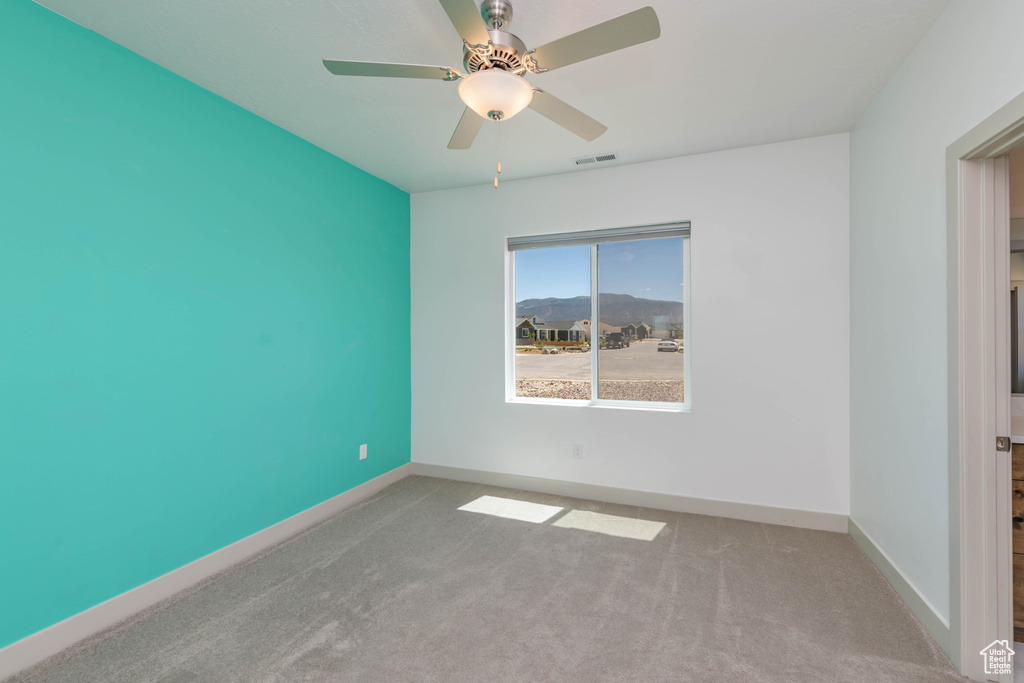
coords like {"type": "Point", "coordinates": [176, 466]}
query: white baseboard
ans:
{"type": "Point", "coordinates": [806, 519]}
{"type": "Point", "coordinates": [922, 609]}
{"type": "Point", "coordinates": [33, 649]}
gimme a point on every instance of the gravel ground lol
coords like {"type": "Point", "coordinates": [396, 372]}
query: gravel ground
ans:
{"type": "Point", "coordinates": [641, 361]}
{"type": "Point", "coordinates": [670, 391]}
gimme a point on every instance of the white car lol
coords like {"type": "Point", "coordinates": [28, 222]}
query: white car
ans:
{"type": "Point", "coordinates": [668, 345]}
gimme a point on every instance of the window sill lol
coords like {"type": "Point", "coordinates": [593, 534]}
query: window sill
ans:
{"type": "Point", "coordinates": [605, 404]}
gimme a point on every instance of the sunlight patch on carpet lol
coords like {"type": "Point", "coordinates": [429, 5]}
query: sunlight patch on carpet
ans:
{"type": "Point", "coordinates": [512, 509]}
{"type": "Point", "coordinates": [612, 525]}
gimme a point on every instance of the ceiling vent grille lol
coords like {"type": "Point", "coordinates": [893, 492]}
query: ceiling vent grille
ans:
{"type": "Point", "coordinates": [583, 161]}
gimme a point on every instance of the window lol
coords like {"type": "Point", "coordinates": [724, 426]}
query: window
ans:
{"type": "Point", "coordinates": [632, 283]}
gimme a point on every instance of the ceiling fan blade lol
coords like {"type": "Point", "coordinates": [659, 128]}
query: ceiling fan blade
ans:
{"type": "Point", "coordinates": [615, 34]}
{"type": "Point", "coordinates": [567, 116]}
{"type": "Point", "coordinates": [345, 68]}
{"type": "Point", "coordinates": [465, 17]}
{"type": "Point", "coordinates": [465, 132]}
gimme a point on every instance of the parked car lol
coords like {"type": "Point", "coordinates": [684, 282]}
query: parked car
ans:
{"type": "Point", "coordinates": [615, 340]}
{"type": "Point", "coordinates": [668, 345]}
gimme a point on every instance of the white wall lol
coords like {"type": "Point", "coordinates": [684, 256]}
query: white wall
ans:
{"type": "Point", "coordinates": [769, 338]}
{"type": "Point", "coordinates": [968, 65]}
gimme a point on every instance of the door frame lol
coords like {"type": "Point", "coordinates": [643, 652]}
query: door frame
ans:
{"type": "Point", "coordinates": [980, 536]}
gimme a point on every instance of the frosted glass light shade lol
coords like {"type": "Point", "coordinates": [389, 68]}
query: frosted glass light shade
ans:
{"type": "Point", "coordinates": [495, 90]}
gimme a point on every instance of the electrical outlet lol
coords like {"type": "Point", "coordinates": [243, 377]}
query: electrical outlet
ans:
{"type": "Point", "coordinates": [577, 451]}
{"type": "Point", "coordinates": [362, 452]}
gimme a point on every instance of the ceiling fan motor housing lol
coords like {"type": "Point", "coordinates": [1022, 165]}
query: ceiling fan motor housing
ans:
{"type": "Point", "coordinates": [507, 54]}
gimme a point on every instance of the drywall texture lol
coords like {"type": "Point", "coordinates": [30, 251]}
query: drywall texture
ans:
{"type": "Point", "coordinates": [197, 322]}
{"type": "Point", "coordinates": [724, 74]}
{"type": "Point", "coordinates": [769, 333]}
{"type": "Point", "coordinates": [968, 66]}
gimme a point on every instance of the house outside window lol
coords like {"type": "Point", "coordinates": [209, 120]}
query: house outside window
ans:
{"type": "Point", "coordinates": [633, 282]}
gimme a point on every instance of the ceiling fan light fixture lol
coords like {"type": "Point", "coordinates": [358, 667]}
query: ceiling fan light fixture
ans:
{"type": "Point", "coordinates": [495, 90]}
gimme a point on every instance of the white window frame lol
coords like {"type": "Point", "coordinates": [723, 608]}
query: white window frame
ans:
{"type": "Point", "coordinates": [595, 238]}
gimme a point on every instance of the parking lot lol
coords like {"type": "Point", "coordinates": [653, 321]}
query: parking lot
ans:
{"type": "Point", "coordinates": [640, 361]}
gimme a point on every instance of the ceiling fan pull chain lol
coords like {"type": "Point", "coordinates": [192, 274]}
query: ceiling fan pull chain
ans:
{"type": "Point", "coordinates": [497, 147]}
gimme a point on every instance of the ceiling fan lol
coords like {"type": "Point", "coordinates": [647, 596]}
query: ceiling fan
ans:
{"type": "Point", "coordinates": [495, 61]}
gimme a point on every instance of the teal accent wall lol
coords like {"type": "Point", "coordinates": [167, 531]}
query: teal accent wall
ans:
{"type": "Point", "coordinates": [202, 317]}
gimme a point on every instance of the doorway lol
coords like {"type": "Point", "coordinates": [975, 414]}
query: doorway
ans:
{"type": "Point", "coordinates": [1016, 304]}
{"type": "Point", "coordinates": [981, 380]}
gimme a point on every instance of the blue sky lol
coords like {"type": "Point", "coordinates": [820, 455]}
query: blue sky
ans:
{"type": "Point", "coordinates": [647, 269]}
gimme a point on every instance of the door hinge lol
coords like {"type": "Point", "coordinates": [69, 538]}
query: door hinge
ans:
{"type": "Point", "coordinates": [1003, 443]}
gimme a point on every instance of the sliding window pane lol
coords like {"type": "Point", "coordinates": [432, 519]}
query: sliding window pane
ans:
{"type": "Point", "coordinates": [552, 324]}
{"type": "Point", "coordinates": [640, 306]}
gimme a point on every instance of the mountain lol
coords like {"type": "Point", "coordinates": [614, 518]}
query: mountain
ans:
{"type": "Point", "coordinates": [619, 308]}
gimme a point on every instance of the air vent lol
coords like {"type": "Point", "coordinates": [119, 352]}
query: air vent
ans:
{"type": "Point", "coordinates": [583, 161]}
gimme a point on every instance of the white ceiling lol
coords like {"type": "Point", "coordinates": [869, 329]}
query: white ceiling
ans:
{"type": "Point", "coordinates": [724, 74]}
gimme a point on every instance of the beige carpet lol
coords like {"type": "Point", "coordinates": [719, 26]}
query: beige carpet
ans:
{"type": "Point", "coordinates": [407, 587]}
